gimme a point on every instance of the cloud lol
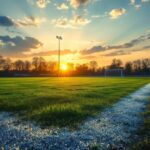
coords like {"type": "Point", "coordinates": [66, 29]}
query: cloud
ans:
{"type": "Point", "coordinates": [117, 53]}
{"type": "Point", "coordinates": [132, 2]}
{"type": "Point", "coordinates": [79, 20]}
{"type": "Point", "coordinates": [87, 57]}
{"type": "Point", "coordinates": [62, 23]}
{"type": "Point", "coordinates": [130, 44]}
{"type": "Point", "coordinates": [76, 21]}
{"type": "Point", "coordinates": [146, 47]}
{"type": "Point", "coordinates": [39, 3]}
{"type": "Point", "coordinates": [127, 52]}
{"type": "Point", "coordinates": [144, 1]}
{"type": "Point", "coordinates": [53, 52]}
{"type": "Point", "coordinates": [138, 4]}
{"type": "Point", "coordinates": [17, 45]}
{"type": "Point", "coordinates": [96, 16]}
{"type": "Point", "coordinates": [78, 3]}
{"type": "Point", "coordinates": [42, 3]}
{"type": "Point", "coordinates": [6, 21]}
{"type": "Point", "coordinates": [30, 21]}
{"type": "Point", "coordinates": [115, 13]}
{"type": "Point", "coordinates": [62, 6]}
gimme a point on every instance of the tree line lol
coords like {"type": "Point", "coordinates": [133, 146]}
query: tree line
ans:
{"type": "Point", "coordinates": [38, 66]}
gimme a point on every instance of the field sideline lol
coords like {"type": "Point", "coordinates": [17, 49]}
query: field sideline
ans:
{"type": "Point", "coordinates": [63, 101]}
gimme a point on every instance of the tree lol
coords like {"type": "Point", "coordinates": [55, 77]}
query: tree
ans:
{"type": "Point", "coordinates": [93, 65]}
{"type": "Point", "coordinates": [19, 65]}
{"type": "Point", "coordinates": [128, 68]}
{"type": "Point", "coordinates": [146, 65]}
{"type": "Point", "coordinates": [2, 61]}
{"type": "Point", "coordinates": [27, 65]}
{"type": "Point", "coordinates": [42, 66]}
{"type": "Point", "coordinates": [137, 65]}
{"type": "Point", "coordinates": [35, 63]}
{"type": "Point", "coordinates": [7, 65]}
{"type": "Point", "coordinates": [116, 63]}
{"type": "Point", "coordinates": [39, 64]}
{"type": "Point", "coordinates": [82, 69]}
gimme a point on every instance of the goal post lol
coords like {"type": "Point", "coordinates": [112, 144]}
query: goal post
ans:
{"type": "Point", "coordinates": [114, 72]}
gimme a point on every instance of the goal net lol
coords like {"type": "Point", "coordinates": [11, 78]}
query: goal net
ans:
{"type": "Point", "coordinates": [114, 72]}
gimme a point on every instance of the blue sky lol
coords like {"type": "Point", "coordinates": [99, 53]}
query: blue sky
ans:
{"type": "Point", "coordinates": [91, 29]}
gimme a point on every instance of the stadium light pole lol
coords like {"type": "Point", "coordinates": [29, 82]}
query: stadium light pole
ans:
{"type": "Point", "coordinates": [59, 39]}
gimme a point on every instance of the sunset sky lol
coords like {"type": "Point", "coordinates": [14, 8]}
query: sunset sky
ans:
{"type": "Point", "coordinates": [91, 29]}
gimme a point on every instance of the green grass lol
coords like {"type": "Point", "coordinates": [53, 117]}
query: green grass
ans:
{"type": "Point", "coordinates": [63, 101]}
{"type": "Point", "coordinates": [144, 142]}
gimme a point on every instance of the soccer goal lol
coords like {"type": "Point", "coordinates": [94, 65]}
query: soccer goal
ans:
{"type": "Point", "coordinates": [114, 72]}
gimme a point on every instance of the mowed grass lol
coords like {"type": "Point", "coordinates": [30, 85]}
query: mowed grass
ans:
{"type": "Point", "coordinates": [63, 101]}
{"type": "Point", "coordinates": [144, 141]}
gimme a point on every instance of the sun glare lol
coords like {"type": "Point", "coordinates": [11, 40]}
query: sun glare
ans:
{"type": "Point", "coordinates": [64, 67]}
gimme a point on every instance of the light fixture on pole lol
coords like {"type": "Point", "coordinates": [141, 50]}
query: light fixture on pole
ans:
{"type": "Point", "coordinates": [59, 38]}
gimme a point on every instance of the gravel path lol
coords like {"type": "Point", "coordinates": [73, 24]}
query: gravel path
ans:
{"type": "Point", "coordinates": [114, 127]}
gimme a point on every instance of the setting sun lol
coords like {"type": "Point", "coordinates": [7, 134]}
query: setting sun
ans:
{"type": "Point", "coordinates": [64, 67]}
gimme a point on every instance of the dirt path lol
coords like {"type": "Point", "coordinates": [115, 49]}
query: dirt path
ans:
{"type": "Point", "coordinates": [114, 127]}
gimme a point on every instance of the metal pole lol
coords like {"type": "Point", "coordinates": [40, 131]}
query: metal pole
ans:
{"type": "Point", "coordinates": [58, 57]}
{"type": "Point", "coordinates": [59, 38]}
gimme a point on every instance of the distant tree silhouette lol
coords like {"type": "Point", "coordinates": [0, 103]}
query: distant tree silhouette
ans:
{"type": "Point", "coordinates": [128, 68]}
{"type": "Point", "coordinates": [39, 66]}
{"type": "Point", "coordinates": [93, 65]}
{"type": "Point", "coordinates": [2, 60]}
{"type": "Point", "coordinates": [116, 63]}
{"type": "Point", "coordinates": [19, 65]}
{"type": "Point", "coordinates": [82, 69]}
{"type": "Point", "coordinates": [146, 65]}
{"type": "Point", "coordinates": [35, 63]}
{"type": "Point", "coordinates": [7, 65]}
{"type": "Point", "coordinates": [27, 65]}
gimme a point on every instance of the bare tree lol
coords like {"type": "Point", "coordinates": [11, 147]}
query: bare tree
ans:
{"type": "Point", "coordinates": [35, 63]}
{"type": "Point", "coordinates": [128, 68]}
{"type": "Point", "coordinates": [93, 65]}
{"type": "Point", "coordinates": [7, 66]}
{"type": "Point", "coordinates": [27, 65]}
{"type": "Point", "coordinates": [116, 63]}
{"type": "Point", "coordinates": [146, 65]}
{"type": "Point", "coordinates": [137, 65]}
{"type": "Point", "coordinates": [2, 61]}
{"type": "Point", "coordinates": [19, 65]}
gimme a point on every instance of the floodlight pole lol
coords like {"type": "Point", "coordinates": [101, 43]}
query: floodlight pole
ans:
{"type": "Point", "coordinates": [59, 38]}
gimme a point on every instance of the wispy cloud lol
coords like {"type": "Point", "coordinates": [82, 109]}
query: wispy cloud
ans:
{"type": "Point", "coordinates": [40, 3]}
{"type": "Point", "coordinates": [115, 13]}
{"type": "Point", "coordinates": [53, 52]}
{"type": "Point", "coordinates": [62, 6]}
{"type": "Point", "coordinates": [30, 21]}
{"type": "Point", "coordinates": [117, 53]}
{"type": "Point", "coordinates": [75, 22]}
{"type": "Point", "coordinates": [130, 44]}
{"type": "Point", "coordinates": [127, 52]}
{"type": "Point", "coordinates": [138, 4]}
{"type": "Point", "coordinates": [78, 3]}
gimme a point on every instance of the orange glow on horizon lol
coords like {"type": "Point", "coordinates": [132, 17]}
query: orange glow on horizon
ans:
{"type": "Point", "coordinates": [64, 67]}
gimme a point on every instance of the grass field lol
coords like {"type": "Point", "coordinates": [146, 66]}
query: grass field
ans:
{"type": "Point", "coordinates": [63, 101]}
{"type": "Point", "coordinates": [144, 133]}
